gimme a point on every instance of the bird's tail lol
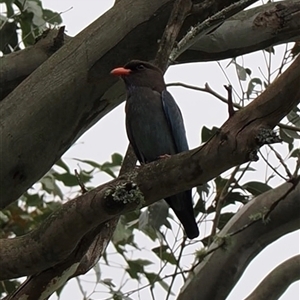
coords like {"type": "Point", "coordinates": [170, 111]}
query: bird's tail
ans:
{"type": "Point", "coordinates": [182, 206]}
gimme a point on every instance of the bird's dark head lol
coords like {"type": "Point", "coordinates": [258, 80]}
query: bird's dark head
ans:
{"type": "Point", "coordinates": [138, 73]}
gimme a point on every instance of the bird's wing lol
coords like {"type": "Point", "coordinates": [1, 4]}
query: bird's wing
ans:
{"type": "Point", "coordinates": [138, 154]}
{"type": "Point", "coordinates": [175, 121]}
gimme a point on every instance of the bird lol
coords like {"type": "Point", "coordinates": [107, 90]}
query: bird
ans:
{"type": "Point", "coordinates": [155, 128]}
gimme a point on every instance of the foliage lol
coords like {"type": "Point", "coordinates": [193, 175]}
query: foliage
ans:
{"type": "Point", "coordinates": [30, 17]}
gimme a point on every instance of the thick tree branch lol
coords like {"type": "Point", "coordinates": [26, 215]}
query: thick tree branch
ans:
{"type": "Point", "coordinates": [251, 30]}
{"type": "Point", "coordinates": [235, 37]}
{"type": "Point", "coordinates": [15, 67]}
{"type": "Point", "coordinates": [209, 25]}
{"type": "Point", "coordinates": [72, 90]}
{"type": "Point", "coordinates": [234, 144]}
{"type": "Point", "coordinates": [276, 282]}
{"type": "Point", "coordinates": [243, 237]}
{"type": "Point", "coordinates": [179, 13]}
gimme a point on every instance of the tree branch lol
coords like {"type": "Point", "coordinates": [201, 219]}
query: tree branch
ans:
{"type": "Point", "coordinates": [179, 12]}
{"type": "Point", "coordinates": [232, 145]}
{"type": "Point", "coordinates": [74, 89]}
{"type": "Point", "coordinates": [224, 266]}
{"type": "Point", "coordinates": [210, 24]}
{"type": "Point", "coordinates": [235, 37]}
{"type": "Point", "coordinates": [276, 282]}
{"type": "Point", "coordinates": [251, 30]}
{"type": "Point", "coordinates": [16, 66]}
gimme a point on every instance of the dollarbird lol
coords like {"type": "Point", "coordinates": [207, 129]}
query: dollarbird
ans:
{"type": "Point", "coordinates": [155, 127]}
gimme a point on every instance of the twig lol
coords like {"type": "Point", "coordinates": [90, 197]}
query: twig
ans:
{"type": "Point", "coordinates": [180, 10]}
{"type": "Point", "coordinates": [282, 162]}
{"type": "Point", "coordinates": [81, 184]}
{"type": "Point", "coordinates": [266, 161]}
{"type": "Point", "coordinates": [177, 267]}
{"type": "Point", "coordinates": [207, 26]}
{"type": "Point", "coordinates": [229, 100]}
{"type": "Point", "coordinates": [297, 167]}
{"type": "Point", "coordinates": [220, 200]}
{"type": "Point", "coordinates": [274, 205]}
{"type": "Point", "coordinates": [208, 89]}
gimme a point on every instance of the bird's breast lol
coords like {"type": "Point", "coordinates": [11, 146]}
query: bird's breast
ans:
{"type": "Point", "coordinates": [146, 124]}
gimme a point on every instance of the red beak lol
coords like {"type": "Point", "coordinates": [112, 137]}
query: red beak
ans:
{"type": "Point", "coordinates": [120, 72]}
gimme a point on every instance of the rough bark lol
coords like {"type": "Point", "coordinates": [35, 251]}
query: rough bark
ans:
{"type": "Point", "coordinates": [243, 239]}
{"type": "Point", "coordinates": [15, 67]}
{"type": "Point", "coordinates": [233, 144]}
{"type": "Point", "coordinates": [251, 30]}
{"type": "Point", "coordinates": [72, 90]}
{"type": "Point", "coordinates": [277, 281]}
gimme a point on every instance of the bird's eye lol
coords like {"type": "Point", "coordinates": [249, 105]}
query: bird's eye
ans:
{"type": "Point", "coordinates": [140, 67]}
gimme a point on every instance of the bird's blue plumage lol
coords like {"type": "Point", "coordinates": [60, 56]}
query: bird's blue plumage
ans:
{"type": "Point", "coordinates": [175, 121]}
{"type": "Point", "coordinates": [155, 127]}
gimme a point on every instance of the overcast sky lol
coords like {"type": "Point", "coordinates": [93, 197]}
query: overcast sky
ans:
{"type": "Point", "coordinates": [108, 136]}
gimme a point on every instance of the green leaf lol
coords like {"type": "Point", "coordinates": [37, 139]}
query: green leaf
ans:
{"type": "Point", "coordinates": [224, 218]}
{"type": "Point", "coordinates": [206, 133]}
{"type": "Point", "coordinates": [97, 270]}
{"type": "Point", "coordinates": [34, 200]}
{"type": "Point", "coordinates": [142, 262]}
{"type": "Point", "coordinates": [293, 117]}
{"type": "Point", "coordinates": [295, 153]}
{"type": "Point", "coordinates": [163, 252]}
{"type": "Point", "coordinates": [8, 36]}
{"type": "Point", "coordinates": [285, 137]}
{"type": "Point", "coordinates": [54, 205]}
{"type": "Point", "coordinates": [220, 183]}
{"type": "Point", "coordinates": [67, 178]}
{"type": "Point", "coordinates": [293, 134]}
{"type": "Point", "coordinates": [108, 282]}
{"type": "Point", "coordinates": [203, 191]}
{"type": "Point", "coordinates": [256, 188]}
{"type": "Point", "coordinates": [116, 159]}
{"type": "Point", "coordinates": [270, 49]}
{"type": "Point", "coordinates": [242, 169]}
{"type": "Point", "coordinates": [63, 165]}
{"type": "Point", "coordinates": [241, 72]}
{"type": "Point", "coordinates": [89, 162]}
{"type": "Point", "coordinates": [25, 21]}
{"type": "Point", "coordinates": [122, 234]}
{"type": "Point", "coordinates": [200, 207]}
{"type": "Point", "coordinates": [252, 83]}
{"type": "Point", "coordinates": [248, 71]}
{"type": "Point", "coordinates": [234, 197]}
{"type": "Point", "coordinates": [9, 286]}
{"type": "Point", "coordinates": [134, 269]}
{"type": "Point", "coordinates": [3, 218]}
{"type": "Point", "coordinates": [158, 214]}
{"type": "Point", "coordinates": [48, 183]}
{"type": "Point", "coordinates": [85, 176]}
{"type": "Point", "coordinates": [144, 219]}
{"type": "Point", "coordinates": [152, 278]}
{"type": "Point", "coordinates": [165, 286]}
{"type": "Point", "coordinates": [52, 17]}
